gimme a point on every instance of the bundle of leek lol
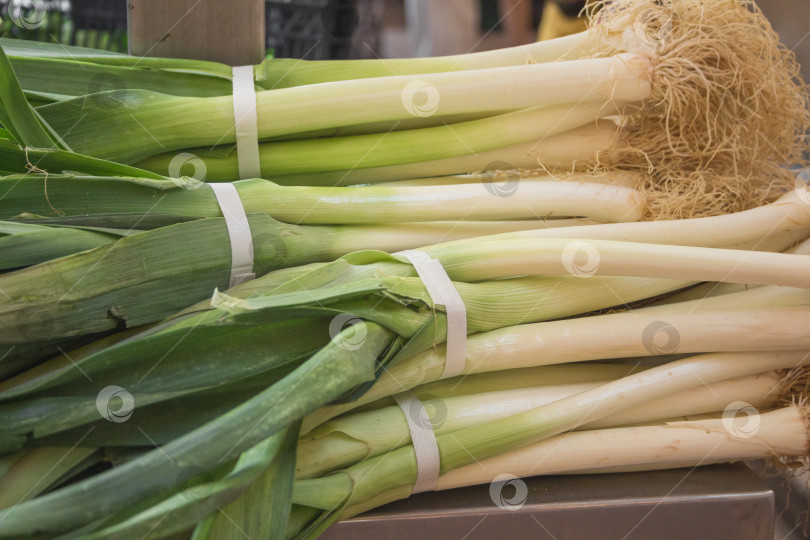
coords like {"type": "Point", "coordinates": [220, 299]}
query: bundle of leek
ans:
{"type": "Point", "coordinates": [609, 419]}
{"type": "Point", "coordinates": [218, 387]}
{"type": "Point", "coordinates": [397, 319]}
{"type": "Point", "coordinates": [703, 94]}
{"type": "Point", "coordinates": [177, 259]}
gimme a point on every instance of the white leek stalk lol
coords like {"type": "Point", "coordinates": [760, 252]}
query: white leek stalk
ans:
{"type": "Point", "coordinates": [346, 440]}
{"type": "Point", "coordinates": [773, 227]}
{"type": "Point", "coordinates": [391, 476]}
{"type": "Point", "coordinates": [643, 332]}
{"type": "Point", "coordinates": [577, 146]}
{"type": "Point", "coordinates": [782, 432]}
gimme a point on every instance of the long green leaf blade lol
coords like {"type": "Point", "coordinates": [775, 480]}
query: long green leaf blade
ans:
{"type": "Point", "coordinates": [20, 117]}
{"type": "Point", "coordinates": [263, 510]}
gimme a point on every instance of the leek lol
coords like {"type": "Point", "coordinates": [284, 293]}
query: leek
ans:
{"type": "Point", "coordinates": [686, 443]}
{"type": "Point", "coordinates": [390, 476]}
{"type": "Point", "coordinates": [76, 195]}
{"type": "Point", "coordinates": [344, 441]}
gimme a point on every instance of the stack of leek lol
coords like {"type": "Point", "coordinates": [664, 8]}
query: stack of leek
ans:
{"type": "Point", "coordinates": [398, 321]}
{"type": "Point", "coordinates": [669, 71]}
{"type": "Point", "coordinates": [285, 373]}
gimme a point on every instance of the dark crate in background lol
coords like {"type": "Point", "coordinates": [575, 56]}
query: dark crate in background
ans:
{"type": "Point", "coordinates": [102, 17]}
{"type": "Point", "coordinates": [100, 24]}
{"type": "Point", "coordinates": [309, 29]}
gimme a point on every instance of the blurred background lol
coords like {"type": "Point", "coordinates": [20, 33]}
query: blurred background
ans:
{"type": "Point", "coordinates": [511, 22]}
{"type": "Point", "coordinates": [321, 29]}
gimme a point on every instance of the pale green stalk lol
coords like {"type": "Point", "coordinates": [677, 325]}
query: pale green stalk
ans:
{"type": "Point", "coordinates": [399, 236]}
{"type": "Point", "coordinates": [285, 72]}
{"type": "Point", "coordinates": [394, 148]}
{"type": "Point", "coordinates": [350, 439]}
{"type": "Point", "coordinates": [744, 323]}
{"type": "Point", "coordinates": [623, 78]}
{"type": "Point", "coordinates": [511, 379]}
{"type": "Point", "coordinates": [88, 292]}
{"type": "Point", "coordinates": [186, 198]}
{"type": "Point", "coordinates": [507, 178]}
{"type": "Point", "coordinates": [782, 432]}
{"type": "Point", "coordinates": [759, 298]}
{"type": "Point", "coordinates": [347, 440]}
{"type": "Point", "coordinates": [761, 391]}
{"type": "Point", "coordinates": [600, 82]}
{"type": "Point", "coordinates": [579, 146]}
{"type": "Point", "coordinates": [394, 473]}
{"type": "Point", "coordinates": [772, 227]}
{"type": "Point", "coordinates": [385, 204]}
{"type": "Point", "coordinates": [488, 259]}
{"type": "Point", "coordinates": [706, 290]}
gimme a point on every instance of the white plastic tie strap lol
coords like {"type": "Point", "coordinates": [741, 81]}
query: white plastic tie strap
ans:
{"type": "Point", "coordinates": [246, 121]}
{"type": "Point", "coordinates": [238, 231]}
{"type": "Point", "coordinates": [424, 441]}
{"type": "Point", "coordinates": [442, 292]}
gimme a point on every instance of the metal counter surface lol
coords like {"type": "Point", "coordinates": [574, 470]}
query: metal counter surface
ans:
{"type": "Point", "coordinates": [713, 503]}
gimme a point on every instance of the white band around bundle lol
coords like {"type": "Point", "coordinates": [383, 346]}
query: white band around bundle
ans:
{"type": "Point", "coordinates": [246, 123]}
{"type": "Point", "coordinates": [442, 292]}
{"type": "Point", "coordinates": [238, 231]}
{"type": "Point", "coordinates": [424, 441]}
